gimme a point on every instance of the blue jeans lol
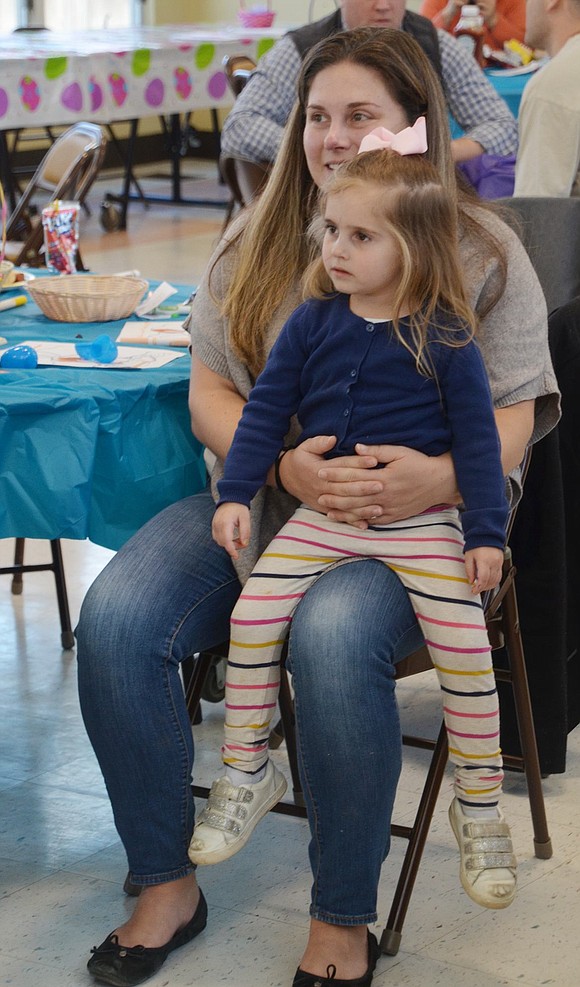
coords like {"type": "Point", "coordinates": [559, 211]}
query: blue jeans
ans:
{"type": "Point", "coordinates": [169, 593]}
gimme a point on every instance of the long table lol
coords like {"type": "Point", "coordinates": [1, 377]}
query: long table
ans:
{"type": "Point", "coordinates": [55, 78]}
{"type": "Point", "coordinates": [90, 453]}
{"type": "Point", "coordinates": [103, 76]}
{"type": "Point", "coordinates": [509, 87]}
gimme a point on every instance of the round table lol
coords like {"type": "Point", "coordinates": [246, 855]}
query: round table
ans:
{"type": "Point", "coordinates": [91, 453]}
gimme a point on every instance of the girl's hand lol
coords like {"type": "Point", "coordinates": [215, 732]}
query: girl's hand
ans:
{"type": "Point", "coordinates": [409, 483]}
{"type": "Point", "coordinates": [231, 527]}
{"type": "Point", "coordinates": [450, 11]}
{"type": "Point", "coordinates": [483, 566]}
{"type": "Point", "coordinates": [302, 476]}
{"type": "Point", "coordinates": [488, 10]}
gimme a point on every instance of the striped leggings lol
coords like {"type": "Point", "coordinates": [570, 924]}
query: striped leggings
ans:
{"type": "Point", "coordinates": [426, 552]}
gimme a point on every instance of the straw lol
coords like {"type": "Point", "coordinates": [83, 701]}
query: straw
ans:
{"type": "Point", "coordinates": [4, 213]}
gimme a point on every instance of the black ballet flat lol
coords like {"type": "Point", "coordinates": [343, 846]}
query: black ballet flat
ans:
{"type": "Point", "coordinates": [303, 979]}
{"type": "Point", "coordinates": [126, 966]}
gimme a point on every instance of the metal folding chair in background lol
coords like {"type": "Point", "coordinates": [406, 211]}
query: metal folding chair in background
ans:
{"type": "Point", "coordinates": [244, 179]}
{"type": "Point", "coordinates": [549, 229]}
{"type": "Point", "coordinates": [67, 171]}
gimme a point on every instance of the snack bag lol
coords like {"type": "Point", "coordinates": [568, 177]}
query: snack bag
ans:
{"type": "Point", "coordinates": [524, 53]}
{"type": "Point", "coordinates": [60, 222]}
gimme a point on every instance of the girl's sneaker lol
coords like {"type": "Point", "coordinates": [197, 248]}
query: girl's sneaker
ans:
{"type": "Point", "coordinates": [231, 815]}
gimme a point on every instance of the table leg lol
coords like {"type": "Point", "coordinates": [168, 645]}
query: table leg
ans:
{"type": "Point", "coordinates": [6, 172]}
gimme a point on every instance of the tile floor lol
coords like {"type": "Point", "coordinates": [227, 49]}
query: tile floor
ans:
{"type": "Point", "coordinates": [62, 866]}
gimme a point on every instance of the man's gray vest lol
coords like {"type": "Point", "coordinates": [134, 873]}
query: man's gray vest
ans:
{"type": "Point", "coordinates": [418, 27]}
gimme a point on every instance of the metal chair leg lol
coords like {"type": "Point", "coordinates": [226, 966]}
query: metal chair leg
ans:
{"type": "Point", "coordinates": [57, 568]}
{"type": "Point", "coordinates": [289, 724]}
{"type": "Point", "coordinates": [530, 759]}
{"type": "Point", "coordinates": [67, 637]}
{"type": "Point", "coordinates": [18, 563]}
{"type": "Point", "coordinates": [417, 836]}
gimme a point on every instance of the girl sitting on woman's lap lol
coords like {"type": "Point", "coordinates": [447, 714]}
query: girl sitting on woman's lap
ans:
{"type": "Point", "coordinates": [386, 355]}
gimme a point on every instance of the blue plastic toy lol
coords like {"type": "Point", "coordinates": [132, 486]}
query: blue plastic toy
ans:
{"type": "Point", "coordinates": [19, 358]}
{"type": "Point", "coordinates": [101, 350]}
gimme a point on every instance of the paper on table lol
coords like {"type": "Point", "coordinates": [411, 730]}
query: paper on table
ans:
{"type": "Point", "coordinates": [520, 70]}
{"type": "Point", "coordinates": [155, 298]}
{"type": "Point", "coordinates": [128, 358]}
{"type": "Point", "coordinates": [160, 334]}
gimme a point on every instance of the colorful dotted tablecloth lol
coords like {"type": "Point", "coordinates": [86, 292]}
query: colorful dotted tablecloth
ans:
{"type": "Point", "coordinates": [57, 78]}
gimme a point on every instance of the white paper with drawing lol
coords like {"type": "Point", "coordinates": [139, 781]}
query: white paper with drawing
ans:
{"type": "Point", "coordinates": [128, 357]}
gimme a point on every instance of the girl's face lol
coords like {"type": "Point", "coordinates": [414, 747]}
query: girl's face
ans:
{"type": "Point", "coordinates": [359, 252]}
{"type": "Point", "coordinates": [345, 103]}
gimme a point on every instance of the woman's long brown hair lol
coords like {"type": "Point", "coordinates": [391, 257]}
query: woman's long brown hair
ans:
{"type": "Point", "coordinates": [274, 248]}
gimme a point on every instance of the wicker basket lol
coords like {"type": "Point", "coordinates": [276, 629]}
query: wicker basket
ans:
{"type": "Point", "coordinates": [87, 297]}
{"type": "Point", "coordinates": [6, 272]}
{"type": "Point", "coordinates": [261, 15]}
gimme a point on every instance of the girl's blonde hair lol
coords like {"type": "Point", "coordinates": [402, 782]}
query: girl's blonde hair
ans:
{"type": "Point", "coordinates": [419, 212]}
{"type": "Point", "coordinates": [274, 248]}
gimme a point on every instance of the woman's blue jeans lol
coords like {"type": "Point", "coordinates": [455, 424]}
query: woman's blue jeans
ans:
{"type": "Point", "coordinates": [169, 593]}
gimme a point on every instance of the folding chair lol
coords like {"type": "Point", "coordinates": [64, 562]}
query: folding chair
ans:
{"type": "Point", "coordinates": [67, 171]}
{"type": "Point", "coordinates": [238, 69]}
{"type": "Point", "coordinates": [502, 621]}
{"type": "Point", "coordinates": [245, 179]}
{"type": "Point", "coordinates": [549, 229]}
{"type": "Point", "coordinates": [501, 615]}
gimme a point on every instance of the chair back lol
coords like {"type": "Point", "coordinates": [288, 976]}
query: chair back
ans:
{"type": "Point", "coordinates": [549, 229]}
{"type": "Point", "coordinates": [238, 69]}
{"type": "Point", "coordinates": [67, 171]}
{"type": "Point", "coordinates": [245, 179]}
{"type": "Point", "coordinates": [251, 177]}
{"type": "Point", "coordinates": [72, 163]}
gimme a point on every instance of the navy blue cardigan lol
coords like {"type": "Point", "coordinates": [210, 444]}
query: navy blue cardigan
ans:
{"type": "Point", "coordinates": [347, 377]}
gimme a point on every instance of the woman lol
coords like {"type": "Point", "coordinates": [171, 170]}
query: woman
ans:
{"type": "Point", "coordinates": [170, 591]}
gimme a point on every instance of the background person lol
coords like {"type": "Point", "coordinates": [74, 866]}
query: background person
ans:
{"type": "Point", "coordinates": [503, 20]}
{"type": "Point", "coordinates": [170, 590]}
{"type": "Point", "coordinates": [548, 159]}
{"type": "Point", "coordinates": [253, 128]}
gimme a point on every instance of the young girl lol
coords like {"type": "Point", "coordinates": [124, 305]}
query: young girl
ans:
{"type": "Point", "coordinates": [383, 352]}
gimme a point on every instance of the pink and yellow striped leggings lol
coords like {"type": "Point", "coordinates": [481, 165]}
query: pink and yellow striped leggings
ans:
{"type": "Point", "coordinates": [426, 552]}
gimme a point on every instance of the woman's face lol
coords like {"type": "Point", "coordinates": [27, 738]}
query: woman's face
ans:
{"type": "Point", "coordinates": [346, 101]}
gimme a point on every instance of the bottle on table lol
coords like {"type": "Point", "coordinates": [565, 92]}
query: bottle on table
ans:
{"type": "Point", "coordinates": [469, 31]}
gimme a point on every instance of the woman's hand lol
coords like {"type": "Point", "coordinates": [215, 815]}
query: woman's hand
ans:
{"type": "Point", "coordinates": [302, 471]}
{"type": "Point", "coordinates": [450, 11]}
{"type": "Point", "coordinates": [350, 490]}
{"type": "Point", "coordinates": [410, 482]}
{"type": "Point", "coordinates": [231, 527]}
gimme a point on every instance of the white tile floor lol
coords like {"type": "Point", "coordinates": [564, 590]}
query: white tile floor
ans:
{"type": "Point", "coordinates": [62, 867]}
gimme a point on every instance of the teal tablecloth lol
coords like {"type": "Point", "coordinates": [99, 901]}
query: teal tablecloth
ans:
{"type": "Point", "coordinates": [90, 453]}
{"type": "Point", "coordinates": [509, 87]}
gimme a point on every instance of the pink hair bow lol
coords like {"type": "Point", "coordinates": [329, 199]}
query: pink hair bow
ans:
{"type": "Point", "coordinates": [411, 140]}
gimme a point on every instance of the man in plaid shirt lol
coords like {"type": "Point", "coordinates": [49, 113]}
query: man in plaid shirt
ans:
{"type": "Point", "coordinates": [253, 129]}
